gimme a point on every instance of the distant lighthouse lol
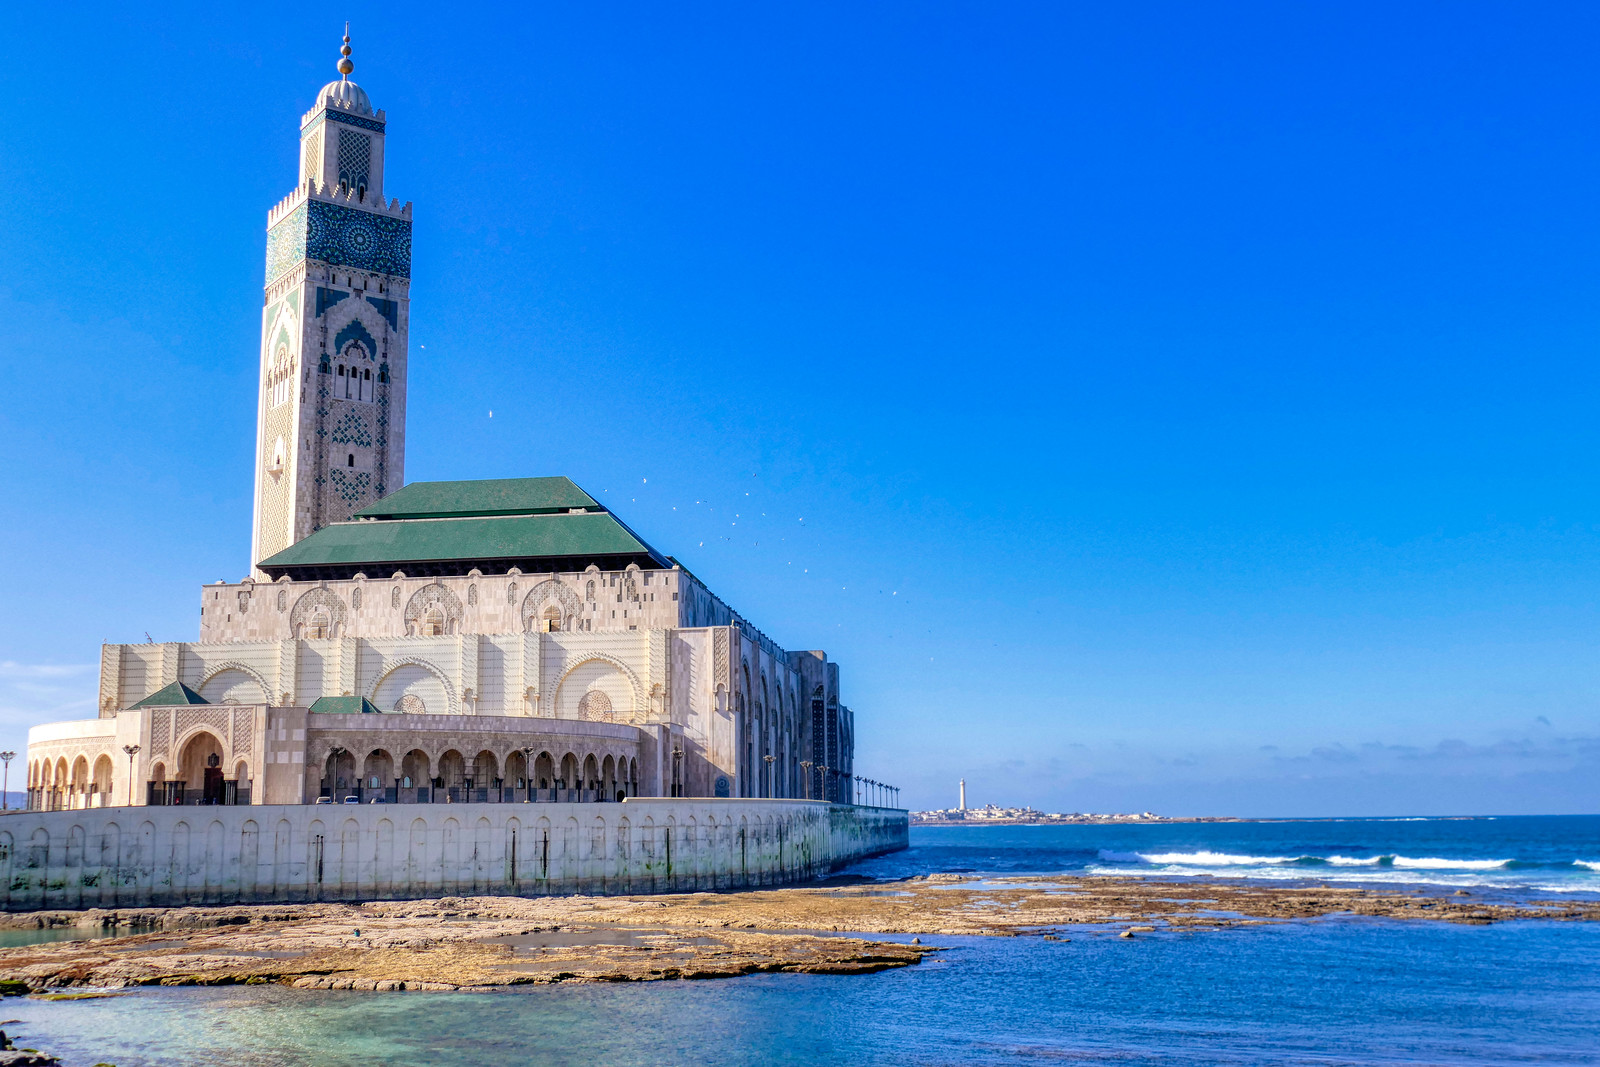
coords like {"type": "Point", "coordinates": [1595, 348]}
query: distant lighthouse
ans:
{"type": "Point", "coordinates": [963, 794]}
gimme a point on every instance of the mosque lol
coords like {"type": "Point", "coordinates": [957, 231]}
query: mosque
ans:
{"type": "Point", "coordinates": [440, 642]}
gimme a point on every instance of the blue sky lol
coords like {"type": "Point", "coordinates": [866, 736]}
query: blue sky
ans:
{"type": "Point", "coordinates": [1154, 408]}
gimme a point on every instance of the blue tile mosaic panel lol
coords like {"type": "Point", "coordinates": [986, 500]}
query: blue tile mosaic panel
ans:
{"type": "Point", "coordinates": [355, 332]}
{"type": "Point", "coordinates": [326, 298]}
{"type": "Point", "coordinates": [348, 120]}
{"type": "Point", "coordinates": [389, 309]}
{"type": "Point", "coordinates": [352, 487]}
{"type": "Point", "coordinates": [352, 430]}
{"type": "Point", "coordinates": [286, 243]}
{"type": "Point", "coordinates": [342, 237]}
{"type": "Point", "coordinates": [348, 237]}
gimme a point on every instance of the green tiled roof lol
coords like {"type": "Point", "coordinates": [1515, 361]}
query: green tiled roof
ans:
{"type": "Point", "coordinates": [402, 541]}
{"type": "Point", "coordinates": [170, 696]}
{"type": "Point", "coordinates": [433, 528]}
{"type": "Point", "coordinates": [344, 706]}
{"type": "Point", "coordinates": [494, 496]}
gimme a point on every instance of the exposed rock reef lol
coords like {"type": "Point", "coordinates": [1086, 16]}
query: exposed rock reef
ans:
{"type": "Point", "coordinates": [483, 942]}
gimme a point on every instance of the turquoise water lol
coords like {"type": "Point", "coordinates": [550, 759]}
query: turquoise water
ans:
{"type": "Point", "coordinates": [1329, 992]}
{"type": "Point", "coordinates": [21, 938]}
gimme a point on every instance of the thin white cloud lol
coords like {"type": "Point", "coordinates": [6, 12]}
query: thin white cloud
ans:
{"type": "Point", "coordinates": [13, 669]}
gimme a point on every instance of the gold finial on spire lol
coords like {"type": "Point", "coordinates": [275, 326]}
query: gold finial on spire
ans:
{"type": "Point", "coordinates": [345, 65]}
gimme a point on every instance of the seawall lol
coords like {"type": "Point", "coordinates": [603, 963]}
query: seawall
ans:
{"type": "Point", "coordinates": [260, 854]}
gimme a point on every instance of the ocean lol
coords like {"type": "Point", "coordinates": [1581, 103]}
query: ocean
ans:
{"type": "Point", "coordinates": [1514, 854]}
{"type": "Point", "coordinates": [1332, 991]}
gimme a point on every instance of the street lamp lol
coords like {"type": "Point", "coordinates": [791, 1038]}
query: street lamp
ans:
{"type": "Point", "coordinates": [132, 751]}
{"type": "Point", "coordinates": [5, 791]}
{"type": "Point", "coordinates": [527, 774]}
{"type": "Point", "coordinates": [824, 768]}
{"type": "Point", "coordinates": [805, 764]}
{"type": "Point", "coordinates": [769, 760]}
{"type": "Point", "coordinates": [333, 772]}
{"type": "Point", "coordinates": [677, 770]}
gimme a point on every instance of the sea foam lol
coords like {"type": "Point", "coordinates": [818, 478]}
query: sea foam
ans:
{"type": "Point", "coordinates": [1231, 859]}
{"type": "Point", "coordinates": [1433, 863]}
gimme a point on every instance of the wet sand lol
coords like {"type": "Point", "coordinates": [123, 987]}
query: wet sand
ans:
{"type": "Point", "coordinates": [486, 942]}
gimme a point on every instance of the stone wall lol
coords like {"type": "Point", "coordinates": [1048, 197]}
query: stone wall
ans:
{"type": "Point", "coordinates": [130, 857]}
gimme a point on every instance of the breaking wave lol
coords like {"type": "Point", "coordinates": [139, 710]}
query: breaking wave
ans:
{"type": "Point", "coordinates": [1229, 859]}
{"type": "Point", "coordinates": [1438, 870]}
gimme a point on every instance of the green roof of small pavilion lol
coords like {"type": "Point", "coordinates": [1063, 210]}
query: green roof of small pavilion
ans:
{"type": "Point", "coordinates": [172, 695]}
{"type": "Point", "coordinates": [493, 496]}
{"type": "Point", "coordinates": [343, 706]}
{"type": "Point", "coordinates": [443, 528]}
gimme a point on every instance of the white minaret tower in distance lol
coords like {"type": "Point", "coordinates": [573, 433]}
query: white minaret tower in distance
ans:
{"type": "Point", "coordinates": [963, 794]}
{"type": "Point", "coordinates": [334, 322]}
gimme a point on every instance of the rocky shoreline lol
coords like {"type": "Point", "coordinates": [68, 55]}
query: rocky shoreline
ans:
{"type": "Point", "coordinates": [483, 943]}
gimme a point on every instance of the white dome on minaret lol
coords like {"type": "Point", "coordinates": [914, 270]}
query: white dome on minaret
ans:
{"type": "Point", "coordinates": [345, 94]}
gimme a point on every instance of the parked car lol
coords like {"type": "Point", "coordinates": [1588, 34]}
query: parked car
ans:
{"type": "Point", "coordinates": [323, 800]}
{"type": "Point", "coordinates": [352, 799]}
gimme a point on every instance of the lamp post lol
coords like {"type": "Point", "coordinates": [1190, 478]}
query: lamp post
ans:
{"type": "Point", "coordinates": [132, 751]}
{"type": "Point", "coordinates": [823, 767]}
{"type": "Point", "coordinates": [770, 759]}
{"type": "Point", "coordinates": [677, 770]}
{"type": "Point", "coordinates": [805, 765]}
{"type": "Point", "coordinates": [527, 774]}
{"type": "Point", "coordinates": [5, 791]}
{"type": "Point", "coordinates": [333, 772]}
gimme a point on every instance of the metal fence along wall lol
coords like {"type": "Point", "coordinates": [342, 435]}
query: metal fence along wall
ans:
{"type": "Point", "coordinates": [134, 857]}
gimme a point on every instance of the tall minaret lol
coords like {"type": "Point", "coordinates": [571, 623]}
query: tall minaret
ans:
{"type": "Point", "coordinates": [332, 417]}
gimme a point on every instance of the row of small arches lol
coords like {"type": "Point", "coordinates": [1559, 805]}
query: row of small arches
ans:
{"type": "Point", "coordinates": [605, 773]}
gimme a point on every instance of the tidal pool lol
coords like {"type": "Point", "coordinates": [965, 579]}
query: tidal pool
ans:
{"type": "Point", "coordinates": [1333, 991]}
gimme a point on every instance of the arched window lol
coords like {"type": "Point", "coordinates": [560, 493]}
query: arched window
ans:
{"type": "Point", "coordinates": [356, 383]}
{"type": "Point", "coordinates": [552, 619]}
{"type": "Point", "coordinates": [350, 459]}
{"type": "Point", "coordinates": [318, 625]}
{"type": "Point", "coordinates": [281, 376]}
{"type": "Point", "coordinates": [433, 623]}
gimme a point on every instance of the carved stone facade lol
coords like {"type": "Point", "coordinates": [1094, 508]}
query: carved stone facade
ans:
{"type": "Point", "coordinates": [562, 665]}
{"type": "Point", "coordinates": [334, 330]}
